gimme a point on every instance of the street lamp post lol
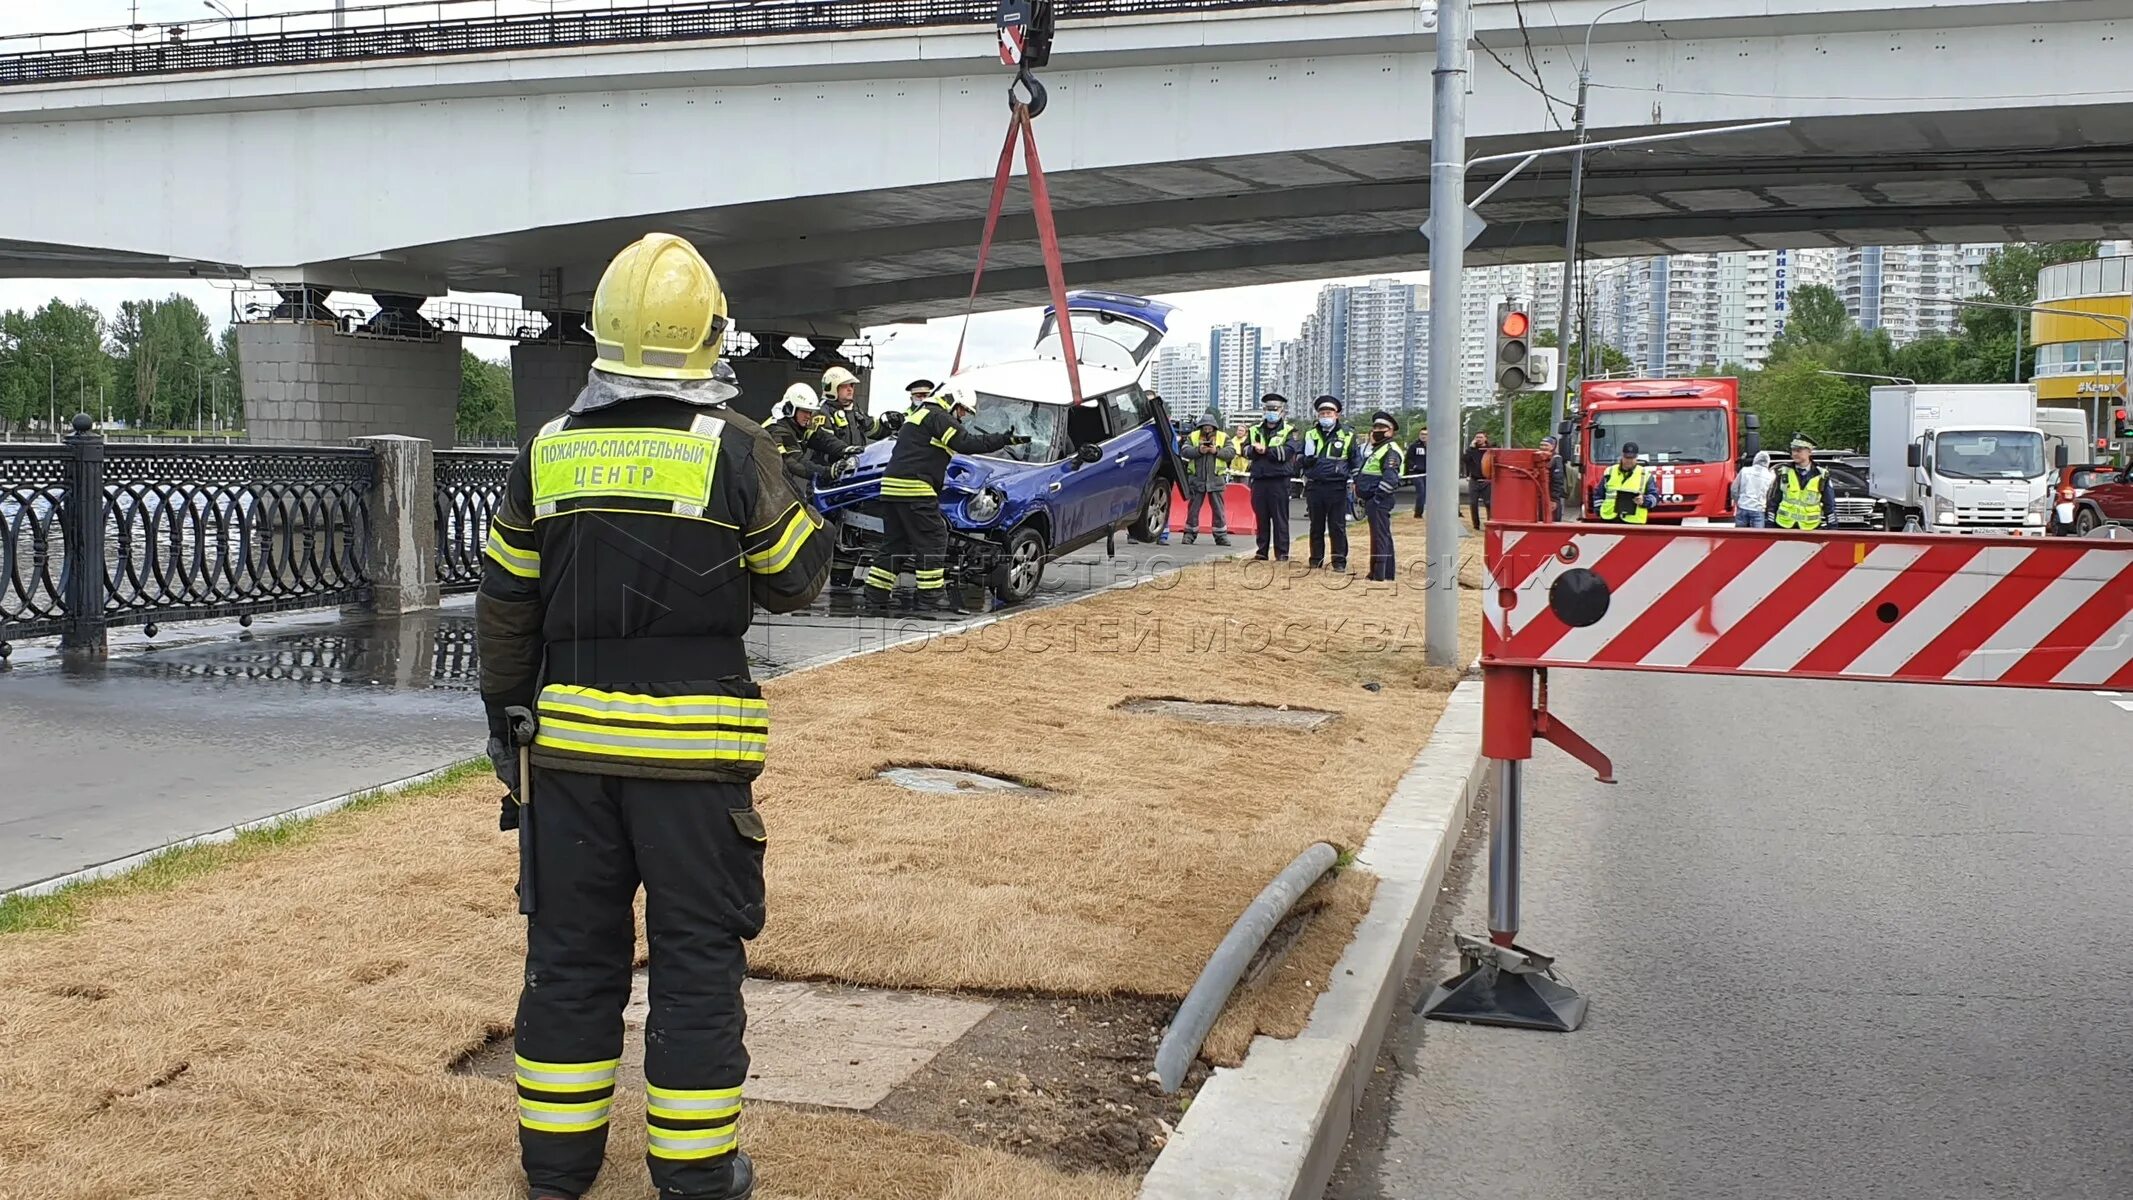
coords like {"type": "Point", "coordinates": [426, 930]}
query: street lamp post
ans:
{"type": "Point", "coordinates": [1570, 226]}
{"type": "Point", "coordinates": [199, 397]}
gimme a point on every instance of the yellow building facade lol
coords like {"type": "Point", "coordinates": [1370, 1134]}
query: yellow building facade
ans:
{"type": "Point", "coordinates": [2081, 360]}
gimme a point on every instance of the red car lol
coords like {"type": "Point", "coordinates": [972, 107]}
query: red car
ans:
{"type": "Point", "coordinates": [2093, 494]}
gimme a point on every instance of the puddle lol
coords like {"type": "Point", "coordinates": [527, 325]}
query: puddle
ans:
{"type": "Point", "coordinates": [840, 1047]}
{"type": "Point", "coordinates": [944, 781]}
{"type": "Point", "coordinates": [1214, 713]}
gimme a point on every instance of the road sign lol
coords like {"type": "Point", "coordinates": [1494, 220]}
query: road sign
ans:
{"type": "Point", "coordinates": [1876, 607]}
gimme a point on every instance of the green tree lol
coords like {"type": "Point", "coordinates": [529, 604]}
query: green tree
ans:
{"type": "Point", "coordinates": [227, 396]}
{"type": "Point", "coordinates": [485, 408]}
{"type": "Point", "coordinates": [54, 364]}
{"type": "Point", "coordinates": [164, 359]}
{"type": "Point", "coordinates": [1816, 320]}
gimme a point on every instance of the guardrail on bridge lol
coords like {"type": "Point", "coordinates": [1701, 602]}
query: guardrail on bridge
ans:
{"type": "Point", "coordinates": [393, 31]}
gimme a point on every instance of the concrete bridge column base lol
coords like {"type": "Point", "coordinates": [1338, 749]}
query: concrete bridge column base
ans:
{"type": "Point", "coordinates": [545, 378]}
{"type": "Point", "coordinates": [311, 384]}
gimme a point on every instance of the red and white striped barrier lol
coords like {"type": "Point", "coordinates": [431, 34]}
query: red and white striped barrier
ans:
{"type": "Point", "coordinates": [1883, 607]}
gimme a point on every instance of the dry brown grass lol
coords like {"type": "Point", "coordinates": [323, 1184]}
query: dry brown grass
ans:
{"type": "Point", "coordinates": [282, 1026]}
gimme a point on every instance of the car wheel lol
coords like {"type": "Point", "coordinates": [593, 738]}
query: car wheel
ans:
{"type": "Point", "coordinates": [1155, 512]}
{"type": "Point", "coordinates": [1021, 569]}
{"type": "Point", "coordinates": [2084, 521]}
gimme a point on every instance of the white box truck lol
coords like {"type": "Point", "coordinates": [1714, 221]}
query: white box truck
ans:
{"type": "Point", "coordinates": [1960, 458]}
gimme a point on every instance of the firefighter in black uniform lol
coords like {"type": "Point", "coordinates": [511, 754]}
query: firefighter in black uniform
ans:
{"type": "Point", "coordinates": [853, 430]}
{"type": "Point", "coordinates": [636, 536]}
{"type": "Point", "coordinates": [915, 534]}
{"type": "Point", "coordinates": [804, 441]}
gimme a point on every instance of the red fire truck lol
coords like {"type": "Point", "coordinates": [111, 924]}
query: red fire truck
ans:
{"type": "Point", "coordinates": [1691, 432]}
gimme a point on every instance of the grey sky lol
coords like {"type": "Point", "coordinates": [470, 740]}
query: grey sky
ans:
{"type": "Point", "coordinates": [902, 351]}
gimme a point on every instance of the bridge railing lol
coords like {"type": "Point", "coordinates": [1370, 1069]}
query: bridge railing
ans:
{"type": "Point", "coordinates": [404, 30]}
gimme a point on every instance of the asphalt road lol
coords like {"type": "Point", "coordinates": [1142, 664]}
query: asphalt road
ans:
{"type": "Point", "coordinates": [209, 725]}
{"type": "Point", "coordinates": [1840, 940]}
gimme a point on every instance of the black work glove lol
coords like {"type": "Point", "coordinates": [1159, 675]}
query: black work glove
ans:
{"type": "Point", "coordinates": [503, 759]}
{"type": "Point", "coordinates": [507, 817]}
{"type": "Point", "coordinates": [850, 452]}
{"type": "Point", "coordinates": [894, 420]}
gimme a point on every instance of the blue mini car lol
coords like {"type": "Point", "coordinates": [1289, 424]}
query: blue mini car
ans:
{"type": "Point", "coordinates": [1089, 470]}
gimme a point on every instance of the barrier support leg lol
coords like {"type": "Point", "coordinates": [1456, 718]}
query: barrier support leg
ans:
{"type": "Point", "coordinates": [1499, 981]}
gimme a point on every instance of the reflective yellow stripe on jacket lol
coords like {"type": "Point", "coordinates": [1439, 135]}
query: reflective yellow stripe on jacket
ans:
{"type": "Point", "coordinates": [700, 728]}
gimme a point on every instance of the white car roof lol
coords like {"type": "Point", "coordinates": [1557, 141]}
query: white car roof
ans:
{"type": "Point", "coordinates": [1039, 380]}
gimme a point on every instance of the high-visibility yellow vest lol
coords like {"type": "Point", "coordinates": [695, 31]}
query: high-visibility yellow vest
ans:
{"type": "Point", "coordinates": [1799, 505]}
{"type": "Point", "coordinates": [1634, 482]}
{"type": "Point", "coordinates": [1384, 460]}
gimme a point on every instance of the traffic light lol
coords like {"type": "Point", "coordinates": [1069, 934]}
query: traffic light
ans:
{"type": "Point", "coordinates": [1514, 342]}
{"type": "Point", "coordinates": [2125, 429]}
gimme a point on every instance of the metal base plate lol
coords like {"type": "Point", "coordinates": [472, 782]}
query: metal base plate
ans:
{"type": "Point", "coordinates": [1489, 993]}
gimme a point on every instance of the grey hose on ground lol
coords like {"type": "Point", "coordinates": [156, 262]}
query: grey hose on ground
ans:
{"type": "Point", "coordinates": [1181, 1043]}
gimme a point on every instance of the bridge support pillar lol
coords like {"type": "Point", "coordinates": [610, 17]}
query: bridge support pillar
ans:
{"type": "Point", "coordinates": [545, 377]}
{"type": "Point", "coordinates": [307, 382]}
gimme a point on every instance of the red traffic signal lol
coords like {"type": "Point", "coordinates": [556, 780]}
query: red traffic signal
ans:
{"type": "Point", "coordinates": [2125, 429]}
{"type": "Point", "coordinates": [1516, 324]}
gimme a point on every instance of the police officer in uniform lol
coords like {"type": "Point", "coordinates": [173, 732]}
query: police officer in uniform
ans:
{"type": "Point", "coordinates": [1329, 461]}
{"type": "Point", "coordinates": [1271, 447]}
{"type": "Point", "coordinates": [1801, 497]}
{"type": "Point", "coordinates": [804, 441]}
{"type": "Point", "coordinates": [1628, 491]}
{"type": "Point", "coordinates": [1377, 482]}
{"type": "Point", "coordinates": [636, 535]}
{"type": "Point", "coordinates": [915, 534]}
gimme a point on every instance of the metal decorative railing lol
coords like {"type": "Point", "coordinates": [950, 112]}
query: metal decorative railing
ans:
{"type": "Point", "coordinates": [470, 484]}
{"type": "Point", "coordinates": [179, 532]}
{"type": "Point", "coordinates": [205, 531]}
{"type": "Point", "coordinates": [376, 33]}
{"type": "Point", "coordinates": [32, 540]}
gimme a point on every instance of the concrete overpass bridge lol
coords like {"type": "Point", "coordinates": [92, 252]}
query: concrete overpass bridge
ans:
{"type": "Point", "coordinates": [833, 159]}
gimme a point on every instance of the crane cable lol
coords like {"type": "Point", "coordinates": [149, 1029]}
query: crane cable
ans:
{"type": "Point", "coordinates": [1025, 42]}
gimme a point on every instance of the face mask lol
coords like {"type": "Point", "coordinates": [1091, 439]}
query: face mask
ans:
{"type": "Point", "coordinates": [1326, 423]}
{"type": "Point", "coordinates": [1380, 436]}
{"type": "Point", "coordinates": [1273, 416]}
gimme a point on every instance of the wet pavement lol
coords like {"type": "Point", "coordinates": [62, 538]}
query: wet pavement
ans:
{"type": "Point", "coordinates": [210, 724]}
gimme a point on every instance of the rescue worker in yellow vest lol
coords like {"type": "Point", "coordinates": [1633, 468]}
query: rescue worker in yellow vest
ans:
{"type": "Point", "coordinates": [914, 533]}
{"type": "Point", "coordinates": [637, 534]}
{"type": "Point", "coordinates": [1206, 451]}
{"type": "Point", "coordinates": [1377, 483]}
{"type": "Point", "coordinates": [1628, 491]}
{"type": "Point", "coordinates": [1800, 498]}
{"type": "Point", "coordinates": [1272, 446]}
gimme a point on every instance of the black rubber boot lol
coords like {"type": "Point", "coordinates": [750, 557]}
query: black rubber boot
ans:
{"type": "Point", "coordinates": [1221, 539]}
{"type": "Point", "coordinates": [1190, 538]}
{"type": "Point", "coordinates": [740, 1183]}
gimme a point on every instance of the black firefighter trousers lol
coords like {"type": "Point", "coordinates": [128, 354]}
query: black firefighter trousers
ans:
{"type": "Point", "coordinates": [915, 539]}
{"type": "Point", "coordinates": [697, 849]}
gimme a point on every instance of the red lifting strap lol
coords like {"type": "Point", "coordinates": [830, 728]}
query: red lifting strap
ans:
{"type": "Point", "coordinates": [1021, 127]}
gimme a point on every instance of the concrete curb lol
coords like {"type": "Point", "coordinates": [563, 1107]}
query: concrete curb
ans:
{"type": "Point", "coordinates": [1274, 1128]}
{"type": "Point", "coordinates": [228, 833]}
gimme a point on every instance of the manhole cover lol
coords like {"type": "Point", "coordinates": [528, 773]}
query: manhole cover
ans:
{"type": "Point", "coordinates": [944, 780]}
{"type": "Point", "coordinates": [1261, 715]}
